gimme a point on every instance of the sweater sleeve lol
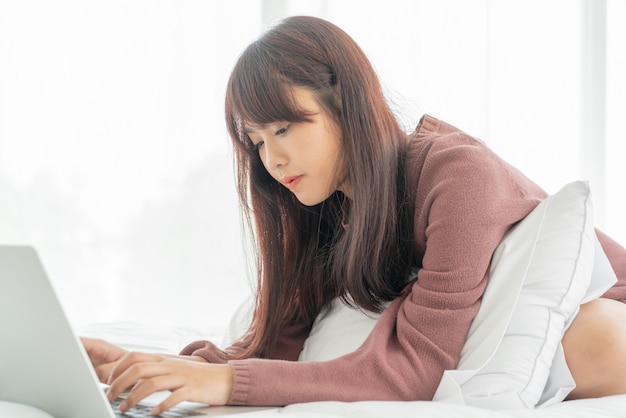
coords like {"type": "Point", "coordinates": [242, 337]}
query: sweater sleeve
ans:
{"type": "Point", "coordinates": [466, 198]}
{"type": "Point", "coordinates": [288, 346]}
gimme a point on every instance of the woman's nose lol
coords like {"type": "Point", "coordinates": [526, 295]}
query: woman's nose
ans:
{"type": "Point", "coordinates": [274, 156]}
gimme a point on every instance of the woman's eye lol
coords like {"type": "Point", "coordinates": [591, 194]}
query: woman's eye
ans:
{"type": "Point", "coordinates": [257, 146]}
{"type": "Point", "coordinates": [282, 131]}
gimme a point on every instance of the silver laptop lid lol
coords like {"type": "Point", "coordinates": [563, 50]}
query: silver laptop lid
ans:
{"type": "Point", "coordinates": [42, 362]}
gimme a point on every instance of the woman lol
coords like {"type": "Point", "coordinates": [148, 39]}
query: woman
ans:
{"type": "Point", "coordinates": [344, 204]}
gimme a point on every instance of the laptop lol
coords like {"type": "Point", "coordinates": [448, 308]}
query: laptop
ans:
{"type": "Point", "coordinates": [42, 362]}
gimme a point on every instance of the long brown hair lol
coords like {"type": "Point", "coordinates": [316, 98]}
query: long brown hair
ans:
{"type": "Point", "coordinates": [307, 255]}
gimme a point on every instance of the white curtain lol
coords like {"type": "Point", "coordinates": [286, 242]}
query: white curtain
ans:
{"type": "Point", "coordinates": [114, 158]}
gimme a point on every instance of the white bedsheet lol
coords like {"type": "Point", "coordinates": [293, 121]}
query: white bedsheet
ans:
{"type": "Point", "coordinates": [613, 406]}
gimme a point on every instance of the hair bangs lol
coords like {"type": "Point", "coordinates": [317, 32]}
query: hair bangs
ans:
{"type": "Point", "coordinates": [258, 93]}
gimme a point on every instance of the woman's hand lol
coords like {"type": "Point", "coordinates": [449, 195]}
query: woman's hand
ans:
{"type": "Point", "coordinates": [189, 379]}
{"type": "Point", "coordinates": [103, 355]}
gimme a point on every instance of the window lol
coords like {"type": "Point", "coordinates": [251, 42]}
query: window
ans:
{"type": "Point", "coordinates": [114, 157]}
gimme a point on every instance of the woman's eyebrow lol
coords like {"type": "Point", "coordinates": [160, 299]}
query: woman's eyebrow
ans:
{"type": "Point", "coordinates": [252, 129]}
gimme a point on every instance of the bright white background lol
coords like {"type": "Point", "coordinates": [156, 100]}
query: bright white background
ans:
{"type": "Point", "coordinates": [114, 159]}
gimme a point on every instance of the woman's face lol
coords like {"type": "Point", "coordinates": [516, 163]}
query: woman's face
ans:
{"type": "Point", "coordinates": [305, 157]}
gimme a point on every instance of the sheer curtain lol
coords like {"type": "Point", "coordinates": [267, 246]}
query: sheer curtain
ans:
{"type": "Point", "coordinates": [114, 159]}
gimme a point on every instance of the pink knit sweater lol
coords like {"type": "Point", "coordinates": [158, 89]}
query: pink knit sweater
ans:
{"type": "Point", "coordinates": [465, 198]}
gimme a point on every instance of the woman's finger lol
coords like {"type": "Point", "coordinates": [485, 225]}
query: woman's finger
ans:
{"type": "Point", "coordinates": [104, 371]}
{"type": "Point", "coordinates": [101, 352]}
{"type": "Point", "coordinates": [171, 401]}
{"type": "Point", "coordinates": [148, 386]}
{"type": "Point", "coordinates": [126, 376]}
{"type": "Point", "coordinates": [129, 360]}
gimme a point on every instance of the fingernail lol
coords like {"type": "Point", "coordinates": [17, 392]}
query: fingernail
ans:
{"type": "Point", "coordinates": [122, 406]}
{"type": "Point", "coordinates": [155, 411]}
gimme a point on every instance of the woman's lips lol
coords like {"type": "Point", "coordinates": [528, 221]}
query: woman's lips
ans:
{"type": "Point", "coordinates": [291, 182]}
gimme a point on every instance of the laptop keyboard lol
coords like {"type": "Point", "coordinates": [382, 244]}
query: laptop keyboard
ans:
{"type": "Point", "coordinates": [143, 411]}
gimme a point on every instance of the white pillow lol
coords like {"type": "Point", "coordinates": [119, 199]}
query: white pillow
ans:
{"type": "Point", "coordinates": [345, 326]}
{"type": "Point", "coordinates": [540, 273]}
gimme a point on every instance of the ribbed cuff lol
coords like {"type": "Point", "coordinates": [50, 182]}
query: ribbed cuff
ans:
{"type": "Point", "coordinates": [241, 383]}
{"type": "Point", "coordinates": [207, 350]}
